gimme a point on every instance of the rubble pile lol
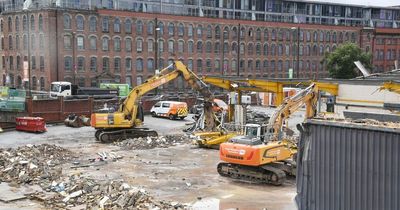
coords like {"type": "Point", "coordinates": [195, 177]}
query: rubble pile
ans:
{"type": "Point", "coordinates": [76, 190]}
{"type": "Point", "coordinates": [32, 163]}
{"type": "Point", "coordinates": [153, 142]}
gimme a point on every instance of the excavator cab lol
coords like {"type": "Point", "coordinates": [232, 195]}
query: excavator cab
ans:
{"type": "Point", "coordinates": [254, 134]}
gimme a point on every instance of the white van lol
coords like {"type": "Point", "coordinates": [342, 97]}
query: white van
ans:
{"type": "Point", "coordinates": [170, 109]}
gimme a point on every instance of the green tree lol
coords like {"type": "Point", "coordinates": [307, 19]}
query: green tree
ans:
{"type": "Point", "coordinates": [340, 63]}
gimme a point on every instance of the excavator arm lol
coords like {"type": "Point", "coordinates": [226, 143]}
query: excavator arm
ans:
{"type": "Point", "coordinates": [290, 105]}
{"type": "Point", "coordinates": [121, 124]}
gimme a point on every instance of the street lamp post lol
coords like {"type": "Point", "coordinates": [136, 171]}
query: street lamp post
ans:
{"type": "Point", "coordinates": [297, 30]}
{"type": "Point", "coordinates": [156, 30]}
{"type": "Point", "coordinates": [73, 58]}
{"type": "Point", "coordinates": [223, 53]}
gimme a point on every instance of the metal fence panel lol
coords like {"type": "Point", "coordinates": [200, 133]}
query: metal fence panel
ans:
{"type": "Point", "coordinates": [348, 166]}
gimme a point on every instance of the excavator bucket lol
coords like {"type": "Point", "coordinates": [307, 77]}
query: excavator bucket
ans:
{"type": "Point", "coordinates": [212, 139]}
{"type": "Point", "coordinates": [76, 121]}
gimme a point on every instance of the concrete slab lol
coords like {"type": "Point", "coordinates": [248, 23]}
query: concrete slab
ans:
{"type": "Point", "coordinates": [9, 194]}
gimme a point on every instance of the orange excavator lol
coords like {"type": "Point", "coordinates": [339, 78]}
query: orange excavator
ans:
{"type": "Point", "coordinates": [264, 154]}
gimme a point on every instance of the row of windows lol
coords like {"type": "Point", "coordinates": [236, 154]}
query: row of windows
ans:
{"type": "Point", "coordinates": [210, 31]}
{"type": "Point", "coordinates": [36, 83]}
{"type": "Point", "coordinates": [8, 62]}
{"type": "Point", "coordinates": [209, 64]}
{"type": "Point", "coordinates": [33, 42]}
{"type": "Point", "coordinates": [258, 49]}
{"type": "Point", "coordinates": [390, 54]}
{"type": "Point", "coordinates": [24, 23]}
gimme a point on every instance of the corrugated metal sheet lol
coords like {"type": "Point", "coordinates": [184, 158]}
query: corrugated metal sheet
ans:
{"type": "Point", "coordinates": [347, 166]}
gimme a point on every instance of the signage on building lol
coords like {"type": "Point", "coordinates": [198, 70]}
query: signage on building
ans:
{"type": "Point", "coordinates": [26, 75]}
{"type": "Point", "coordinates": [290, 76]}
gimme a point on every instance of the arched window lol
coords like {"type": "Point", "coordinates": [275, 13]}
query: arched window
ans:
{"type": "Point", "coordinates": [171, 29]}
{"type": "Point", "coordinates": [42, 83]}
{"type": "Point", "coordinates": [273, 34]}
{"type": "Point", "coordinates": [93, 64]}
{"type": "Point", "coordinates": [208, 47]}
{"type": "Point", "coordinates": [106, 24]}
{"type": "Point", "coordinates": [80, 42]}
{"type": "Point", "coordinates": [139, 45]}
{"type": "Point", "coordinates": [34, 83]}
{"type": "Point", "coordinates": [117, 64]}
{"type": "Point", "coordinates": [209, 31]}
{"type": "Point", "coordinates": [190, 47]}
{"type": "Point", "coordinates": [265, 51]}
{"type": "Point", "coordinates": [280, 49]}
{"type": "Point", "coordinates": [226, 33]}
{"type": "Point", "coordinates": [181, 46]}
{"type": "Point", "coordinates": [117, 25]}
{"type": "Point", "coordinates": [242, 48]}
{"type": "Point", "coordinates": [226, 47]}
{"type": "Point", "coordinates": [258, 34]}
{"type": "Point", "coordinates": [280, 35]}
{"type": "Point", "coordinates": [68, 63]}
{"type": "Point", "coordinates": [10, 42]}
{"type": "Point", "coordinates": [150, 65]}
{"type": "Point", "coordinates": [106, 64]}
{"type": "Point", "coordinates": [273, 50]}
{"type": "Point", "coordinates": [41, 41]}
{"type": "Point", "coordinates": [190, 30]}
{"type": "Point", "coordinates": [250, 49]}
{"type": "Point", "coordinates": [217, 47]}
{"type": "Point", "coordinates": [234, 32]}
{"type": "Point", "coordinates": [328, 36]}
{"type": "Point", "coordinates": [315, 36]}
{"type": "Point", "coordinates": [161, 27]}
{"type": "Point", "coordinates": [92, 24]}
{"type": "Point", "coordinates": [105, 44]}
{"type": "Point", "coordinates": [117, 44]}
{"type": "Point", "coordinates": [199, 31]}
{"type": "Point", "coordinates": [92, 43]}
{"type": "Point", "coordinates": [139, 27]}
{"type": "Point", "coordinates": [334, 38]}
{"type": "Point", "coordinates": [217, 32]}
{"type": "Point", "coordinates": [25, 23]}
{"type": "Point", "coordinates": [16, 23]}
{"type": "Point", "coordinates": [17, 42]}
{"type": "Point", "coordinates": [80, 23]}
{"type": "Point", "coordinates": [234, 47]}
{"type": "Point", "coordinates": [67, 21]}
{"type": "Point", "coordinates": [353, 37]}
{"type": "Point", "coordinates": [128, 45]}
{"type": "Point", "coordinates": [181, 29]}
{"type": "Point", "coordinates": [33, 42]}
{"type": "Point", "coordinates": [171, 44]}
{"type": "Point", "coordinates": [32, 23]}
{"type": "Point", "coordinates": [150, 28]}
{"type": "Point", "coordinates": [40, 23]}
{"type": "Point", "coordinates": [9, 23]}
{"type": "Point", "coordinates": [128, 26]}
{"type": "Point", "coordinates": [199, 46]}
{"type": "Point", "coordinates": [266, 35]}
{"type": "Point", "coordinates": [199, 65]}
{"type": "Point", "coordinates": [139, 64]}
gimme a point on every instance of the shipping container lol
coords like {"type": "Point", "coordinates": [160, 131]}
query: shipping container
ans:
{"type": "Point", "coordinates": [348, 166]}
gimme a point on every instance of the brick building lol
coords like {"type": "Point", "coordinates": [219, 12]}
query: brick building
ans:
{"type": "Point", "coordinates": [87, 46]}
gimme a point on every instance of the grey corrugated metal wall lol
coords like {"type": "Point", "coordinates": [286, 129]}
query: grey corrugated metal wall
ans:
{"type": "Point", "coordinates": [344, 166]}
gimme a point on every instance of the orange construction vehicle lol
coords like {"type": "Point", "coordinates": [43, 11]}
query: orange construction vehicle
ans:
{"type": "Point", "coordinates": [264, 154]}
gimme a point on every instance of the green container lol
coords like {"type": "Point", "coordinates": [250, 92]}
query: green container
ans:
{"type": "Point", "coordinates": [12, 105]}
{"type": "Point", "coordinates": [123, 88]}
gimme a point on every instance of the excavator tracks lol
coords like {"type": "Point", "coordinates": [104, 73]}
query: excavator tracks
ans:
{"type": "Point", "coordinates": [109, 136]}
{"type": "Point", "coordinates": [264, 174]}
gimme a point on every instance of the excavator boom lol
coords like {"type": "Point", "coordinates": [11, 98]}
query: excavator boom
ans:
{"type": "Point", "coordinates": [123, 123]}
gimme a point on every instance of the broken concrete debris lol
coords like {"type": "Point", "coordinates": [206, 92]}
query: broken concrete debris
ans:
{"type": "Point", "coordinates": [42, 165]}
{"type": "Point", "coordinates": [32, 163]}
{"type": "Point", "coordinates": [153, 142]}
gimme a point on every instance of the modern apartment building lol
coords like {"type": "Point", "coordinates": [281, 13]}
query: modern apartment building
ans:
{"type": "Point", "coordinates": [92, 41]}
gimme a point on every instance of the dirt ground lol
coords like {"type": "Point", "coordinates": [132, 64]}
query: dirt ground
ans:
{"type": "Point", "coordinates": [181, 173]}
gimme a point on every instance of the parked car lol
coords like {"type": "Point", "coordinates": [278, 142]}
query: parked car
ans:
{"type": "Point", "coordinates": [170, 109]}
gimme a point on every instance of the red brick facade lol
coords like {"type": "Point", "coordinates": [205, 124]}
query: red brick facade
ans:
{"type": "Point", "coordinates": [268, 49]}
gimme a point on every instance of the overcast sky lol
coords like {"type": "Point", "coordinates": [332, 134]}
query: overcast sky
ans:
{"type": "Point", "coordinates": [382, 3]}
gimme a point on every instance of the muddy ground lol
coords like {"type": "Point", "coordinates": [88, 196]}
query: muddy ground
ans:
{"type": "Point", "coordinates": [180, 173]}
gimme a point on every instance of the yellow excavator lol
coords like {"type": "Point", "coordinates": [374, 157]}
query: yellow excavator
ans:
{"type": "Point", "coordinates": [263, 154]}
{"type": "Point", "coordinates": [125, 122]}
